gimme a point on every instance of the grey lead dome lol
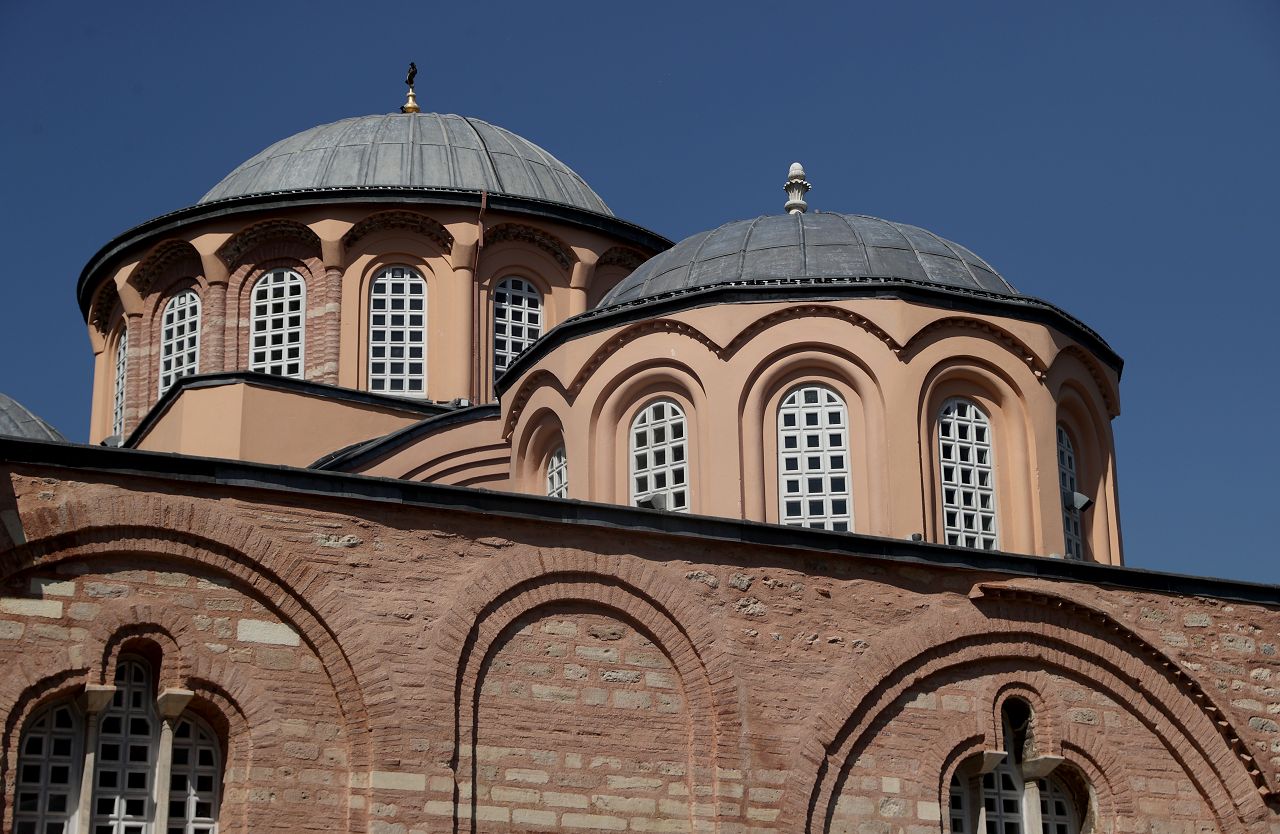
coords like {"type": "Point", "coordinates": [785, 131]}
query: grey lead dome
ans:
{"type": "Point", "coordinates": [16, 420]}
{"type": "Point", "coordinates": [809, 247]}
{"type": "Point", "coordinates": [410, 150]}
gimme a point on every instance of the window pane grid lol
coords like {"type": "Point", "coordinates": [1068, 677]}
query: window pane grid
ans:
{"type": "Point", "coordinates": [1056, 813]}
{"type": "Point", "coordinates": [122, 370]}
{"type": "Point", "coordinates": [659, 462]}
{"type": "Point", "coordinates": [194, 780]}
{"type": "Point", "coordinates": [278, 313]}
{"type": "Point", "coordinates": [126, 749]}
{"type": "Point", "coordinates": [1074, 541]}
{"type": "Point", "coordinates": [1002, 799]}
{"type": "Point", "coordinates": [48, 782]}
{"type": "Point", "coordinates": [398, 333]}
{"type": "Point", "coordinates": [558, 474]}
{"type": "Point", "coordinates": [179, 339]}
{"type": "Point", "coordinates": [517, 320]}
{"type": "Point", "coordinates": [968, 476]}
{"type": "Point", "coordinates": [813, 460]}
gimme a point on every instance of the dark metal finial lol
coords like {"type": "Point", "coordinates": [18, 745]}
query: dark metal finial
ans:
{"type": "Point", "coordinates": [413, 73]}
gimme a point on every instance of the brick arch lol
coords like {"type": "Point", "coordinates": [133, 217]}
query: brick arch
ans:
{"type": "Point", "coordinates": [467, 634]}
{"type": "Point", "coordinates": [1032, 636]}
{"type": "Point", "coordinates": [266, 232]}
{"type": "Point", "coordinates": [519, 232]}
{"type": "Point", "coordinates": [413, 222]}
{"type": "Point", "coordinates": [167, 260]}
{"type": "Point", "coordinates": [800, 311]}
{"type": "Point", "coordinates": [23, 691]}
{"type": "Point", "coordinates": [156, 525]}
{"type": "Point", "coordinates": [117, 624]}
{"type": "Point", "coordinates": [1037, 693]}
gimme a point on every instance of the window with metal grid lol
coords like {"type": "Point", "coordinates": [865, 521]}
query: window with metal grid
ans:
{"type": "Point", "coordinates": [968, 476]}
{"type": "Point", "coordinates": [659, 463]}
{"type": "Point", "coordinates": [958, 806]}
{"type": "Point", "coordinates": [1067, 483]}
{"type": "Point", "coordinates": [122, 371]}
{"type": "Point", "coordinates": [813, 460]}
{"type": "Point", "coordinates": [195, 779]}
{"type": "Point", "coordinates": [1057, 811]}
{"type": "Point", "coordinates": [279, 310]}
{"type": "Point", "coordinates": [48, 779]}
{"type": "Point", "coordinates": [517, 320]}
{"type": "Point", "coordinates": [179, 338]}
{"type": "Point", "coordinates": [558, 474]}
{"type": "Point", "coordinates": [398, 333]}
{"type": "Point", "coordinates": [1002, 799]}
{"type": "Point", "coordinates": [127, 740]}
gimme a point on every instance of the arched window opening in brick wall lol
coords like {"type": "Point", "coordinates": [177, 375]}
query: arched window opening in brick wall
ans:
{"type": "Point", "coordinates": [1073, 539]}
{"type": "Point", "coordinates": [278, 311]}
{"type": "Point", "coordinates": [813, 460]}
{"type": "Point", "coordinates": [558, 474]}
{"type": "Point", "coordinates": [179, 338]}
{"type": "Point", "coordinates": [121, 381]}
{"type": "Point", "coordinates": [659, 457]}
{"type": "Point", "coordinates": [398, 333]}
{"type": "Point", "coordinates": [50, 758]}
{"type": "Point", "coordinates": [517, 320]}
{"type": "Point", "coordinates": [966, 468]}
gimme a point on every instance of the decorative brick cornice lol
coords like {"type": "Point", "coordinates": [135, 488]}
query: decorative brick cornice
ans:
{"type": "Point", "coordinates": [984, 330]}
{"type": "Point", "coordinates": [621, 256]}
{"type": "Point", "coordinates": [528, 234]}
{"type": "Point", "coordinates": [172, 257]}
{"type": "Point", "coordinates": [104, 305]}
{"type": "Point", "coordinates": [245, 240]}
{"type": "Point", "coordinates": [407, 221]}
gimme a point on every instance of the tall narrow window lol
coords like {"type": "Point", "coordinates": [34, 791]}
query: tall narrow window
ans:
{"type": "Point", "coordinates": [968, 476]}
{"type": "Point", "coordinates": [958, 806]}
{"type": "Point", "coordinates": [122, 371]}
{"type": "Point", "coordinates": [195, 780]}
{"type": "Point", "coordinates": [127, 740]}
{"type": "Point", "coordinates": [517, 320]}
{"type": "Point", "coordinates": [398, 333]}
{"type": "Point", "coordinates": [558, 474]}
{"type": "Point", "coordinates": [278, 314]}
{"type": "Point", "coordinates": [659, 464]}
{"type": "Point", "coordinates": [1057, 811]}
{"type": "Point", "coordinates": [179, 338]}
{"type": "Point", "coordinates": [813, 460]}
{"type": "Point", "coordinates": [1067, 483]}
{"type": "Point", "coordinates": [49, 762]}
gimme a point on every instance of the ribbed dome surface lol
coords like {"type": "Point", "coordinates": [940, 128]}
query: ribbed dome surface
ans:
{"type": "Point", "coordinates": [809, 247]}
{"type": "Point", "coordinates": [410, 150]}
{"type": "Point", "coordinates": [16, 420]}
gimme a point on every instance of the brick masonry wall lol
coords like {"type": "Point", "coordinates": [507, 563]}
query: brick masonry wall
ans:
{"type": "Point", "coordinates": [402, 669]}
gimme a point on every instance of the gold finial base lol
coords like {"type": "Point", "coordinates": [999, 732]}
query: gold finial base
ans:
{"type": "Point", "coordinates": [411, 103]}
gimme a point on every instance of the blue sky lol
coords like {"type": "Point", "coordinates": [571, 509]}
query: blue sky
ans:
{"type": "Point", "coordinates": [1117, 159]}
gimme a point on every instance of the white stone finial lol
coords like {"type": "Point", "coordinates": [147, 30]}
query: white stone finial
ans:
{"type": "Point", "coordinates": [796, 188]}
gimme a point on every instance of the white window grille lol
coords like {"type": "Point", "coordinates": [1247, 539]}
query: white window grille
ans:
{"type": "Point", "coordinates": [279, 310]}
{"type": "Point", "coordinates": [813, 460]}
{"type": "Point", "coordinates": [968, 475]}
{"type": "Point", "coordinates": [179, 339]}
{"type": "Point", "coordinates": [195, 779]}
{"type": "Point", "coordinates": [127, 741]}
{"type": "Point", "coordinates": [659, 464]}
{"type": "Point", "coordinates": [558, 474]}
{"type": "Point", "coordinates": [1002, 799]}
{"type": "Point", "coordinates": [517, 320]}
{"type": "Point", "coordinates": [958, 806]}
{"type": "Point", "coordinates": [398, 333]}
{"type": "Point", "coordinates": [1067, 483]}
{"type": "Point", "coordinates": [122, 379]}
{"type": "Point", "coordinates": [49, 760]}
{"type": "Point", "coordinates": [1057, 811]}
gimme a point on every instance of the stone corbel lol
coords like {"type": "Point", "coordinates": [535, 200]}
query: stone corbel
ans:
{"type": "Point", "coordinates": [172, 701]}
{"type": "Point", "coordinates": [1039, 767]}
{"type": "Point", "coordinates": [990, 759]}
{"type": "Point", "coordinates": [96, 697]}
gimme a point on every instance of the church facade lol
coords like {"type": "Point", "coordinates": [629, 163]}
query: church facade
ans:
{"type": "Point", "coordinates": [427, 495]}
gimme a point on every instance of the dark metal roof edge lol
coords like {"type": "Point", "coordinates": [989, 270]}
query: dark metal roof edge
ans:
{"type": "Point", "coordinates": [555, 510]}
{"type": "Point", "coordinates": [276, 200]}
{"type": "Point", "coordinates": [809, 289]}
{"type": "Point", "coordinates": [303, 387]}
{"type": "Point", "coordinates": [381, 446]}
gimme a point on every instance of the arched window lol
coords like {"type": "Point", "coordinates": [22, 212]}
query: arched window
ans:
{"type": "Point", "coordinates": [49, 762]}
{"type": "Point", "coordinates": [659, 463]}
{"type": "Point", "coordinates": [517, 320]}
{"type": "Point", "coordinates": [1074, 541]}
{"type": "Point", "coordinates": [398, 333]}
{"type": "Point", "coordinates": [127, 739]}
{"type": "Point", "coordinates": [813, 460]}
{"type": "Point", "coordinates": [278, 314]}
{"type": "Point", "coordinates": [195, 780]}
{"type": "Point", "coordinates": [179, 338]}
{"type": "Point", "coordinates": [968, 476]}
{"type": "Point", "coordinates": [121, 381]}
{"type": "Point", "coordinates": [558, 474]}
